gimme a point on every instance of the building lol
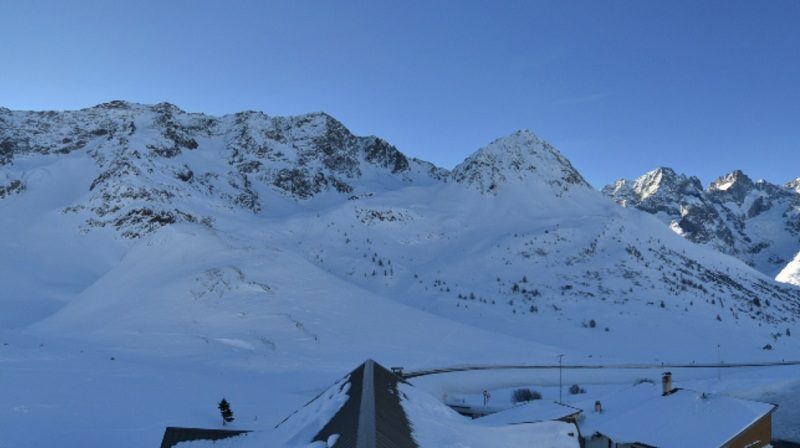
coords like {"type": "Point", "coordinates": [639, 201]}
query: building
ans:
{"type": "Point", "coordinates": [646, 415]}
{"type": "Point", "coordinates": [372, 407]}
{"type": "Point", "coordinates": [383, 410]}
{"type": "Point", "coordinates": [532, 412]}
{"type": "Point", "coordinates": [371, 415]}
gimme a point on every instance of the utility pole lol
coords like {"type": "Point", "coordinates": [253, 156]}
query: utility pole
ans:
{"type": "Point", "coordinates": [560, 357]}
{"type": "Point", "coordinates": [719, 366]}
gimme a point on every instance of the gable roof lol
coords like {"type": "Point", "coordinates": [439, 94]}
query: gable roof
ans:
{"type": "Point", "coordinates": [533, 411]}
{"type": "Point", "coordinates": [371, 416]}
{"type": "Point", "coordinates": [371, 407]}
{"type": "Point", "coordinates": [641, 414]}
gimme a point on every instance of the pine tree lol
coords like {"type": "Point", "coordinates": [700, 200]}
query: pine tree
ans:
{"type": "Point", "coordinates": [225, 410]}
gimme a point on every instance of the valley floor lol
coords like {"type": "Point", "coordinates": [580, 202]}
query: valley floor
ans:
{"type": "Point", "coordinates": [62, 393]}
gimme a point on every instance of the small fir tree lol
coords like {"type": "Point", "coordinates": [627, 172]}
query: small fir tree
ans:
{"type": "Point", "coordinates": [225, 410]}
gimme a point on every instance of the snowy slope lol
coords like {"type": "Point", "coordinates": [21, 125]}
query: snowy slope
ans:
{"type": "Point", "coordinates": [286, 244]}
{"type": "Point", "coordinates": [521, 158]}
{"type": "Point", "coordinates": [176, 214]}
{"type": "Point", "coordinates": [791, 273]}
{"type": "Point", "coordinates": [705, 419]}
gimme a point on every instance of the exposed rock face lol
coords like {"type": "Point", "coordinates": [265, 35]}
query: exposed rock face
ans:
{"type": "Point", "coordinates": [12, 187]}
{"type": "Point", "coordinates": [157, 165]}
{"type": "Point", "coordinates": [654, 192]}
{"type": "Point", "coordinates": [382, 154]}
{"type": "Point", "coordinates": [154, 161]}
{"type": "Point", "coordinates": [758, 222]}
{"type": "Point", "coordinates": [513, 231]}
{"type": "Point", "coordinates": [794, 185]}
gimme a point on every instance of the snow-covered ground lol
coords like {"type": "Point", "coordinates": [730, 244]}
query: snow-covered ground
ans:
{"type": "Point", "coordinates": [64, 393]}
{"type": "Point", "coordinates": [261, 258]}
{"type": "Point", "coordinates": [777, 385]}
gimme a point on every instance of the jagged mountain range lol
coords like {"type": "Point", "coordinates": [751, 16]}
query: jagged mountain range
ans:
{"type": "Point", "coordinates": [291, 237]}
{"type": "Point", "coordinates": [298, 156]}
{"type": "Point", "coordinates": [757, 222]}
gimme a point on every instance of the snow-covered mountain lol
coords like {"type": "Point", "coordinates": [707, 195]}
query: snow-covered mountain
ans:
{"type": "Point", "coordinates": [794, 184]}
{"type": "Point", "coordinates": [521, 158]}
{"type": "Point", "coordinates": [147, 159]}
{"type": "Point", "coordinates": [757, 222]}
{"type": "Point", "coordinates": [152, 255]}
{"type": "Point", "coordinates": [291, 238]}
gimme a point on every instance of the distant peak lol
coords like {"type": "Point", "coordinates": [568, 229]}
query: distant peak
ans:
{"type": "Point", "coordinates": [664, 181]}
{"type": "Point", "coordinates": [127, 105]}
{"type": "Point", "coordinates": [655, 185]}
{"type": "Point", "coordinates": [524, 132]}
{"type": "Point", "coordinates": [668, 176]}
{"type": "Point", "coordinates": [523, 136]}
{"type": "Point", "coordinates": [114, 104]}
{"type": "Point", "coordinates": [520, 143]}
{"type": "Point", "coordinates": [735, 180]}
{"type": "Point", "coordinates": [522, 156]}
{"type": "Point", "coordinates": [322, 114]}
{"type": "Point", "coordinates": [794, 184]}
{"type": "Point", "coordinates": [658, 176]}
{"type": "Point", "coordinates": [167, 107]}
{"type": "Point", "coordinates": [664, 170]}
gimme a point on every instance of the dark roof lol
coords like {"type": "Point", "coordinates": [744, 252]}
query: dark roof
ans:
{"type": "Point", "coordinates": [372, 416]}
{"type": "Point", "coordinates": [173, 436]}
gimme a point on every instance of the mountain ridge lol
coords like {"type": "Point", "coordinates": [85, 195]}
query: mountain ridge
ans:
{"type": "Point", "coordinates": [241, 229]}
{"type": "Point", "coordinates": [757, 222]}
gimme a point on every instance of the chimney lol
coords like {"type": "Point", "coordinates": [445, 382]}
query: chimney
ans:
{"type": "Point", "coordinates": [666, 383]}
{"type": "Point", "coordinates": [598, 407]}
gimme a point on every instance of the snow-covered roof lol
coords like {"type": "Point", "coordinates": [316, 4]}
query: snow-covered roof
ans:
{"type": "Point", "coordinates": [173, 436]}
{"type": "Point", "coordinates": [642, 414]}
{"type": "Point", "coordinates": [533, 411]}
{"type": "Point", "coordinates": [436, 425]}
{"type": "Point", "coordinates": [373, 408]}
{"type": "Point", "coordinates": [371, 415]}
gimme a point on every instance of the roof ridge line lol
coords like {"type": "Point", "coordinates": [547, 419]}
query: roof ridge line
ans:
{"type": "Point", "coordinates": [367, 427]}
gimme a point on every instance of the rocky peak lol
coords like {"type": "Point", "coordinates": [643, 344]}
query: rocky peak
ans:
{"type": "Point", "coordinates": [620, 191]}
{"type": "Point", "coordinates": [734, 185]}
{"type": "Point", "coordinates": [310, 153]}
{"type": "Point", "coordinates": [659, 190]}
{"type": "Point", "coordinates": [728, 215]}
{"type": "Point", "coordinates": [114, 104]}
{"type": "Point", "coordinates": [155, 161]}
{"type": "Point", "coordinates": [666, 182]}
{"type": "Point", "coordinates": [794, 185]}
{"type": "Point", "coordinates": [167, 108]}
{"type": "Point", "coordinates": [522, 157]}
{"type": "Point", "coordinates": [677, 199]}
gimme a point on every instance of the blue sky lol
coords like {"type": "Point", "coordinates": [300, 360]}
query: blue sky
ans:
{"type": "Point", "coordinates": [620, 87]}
